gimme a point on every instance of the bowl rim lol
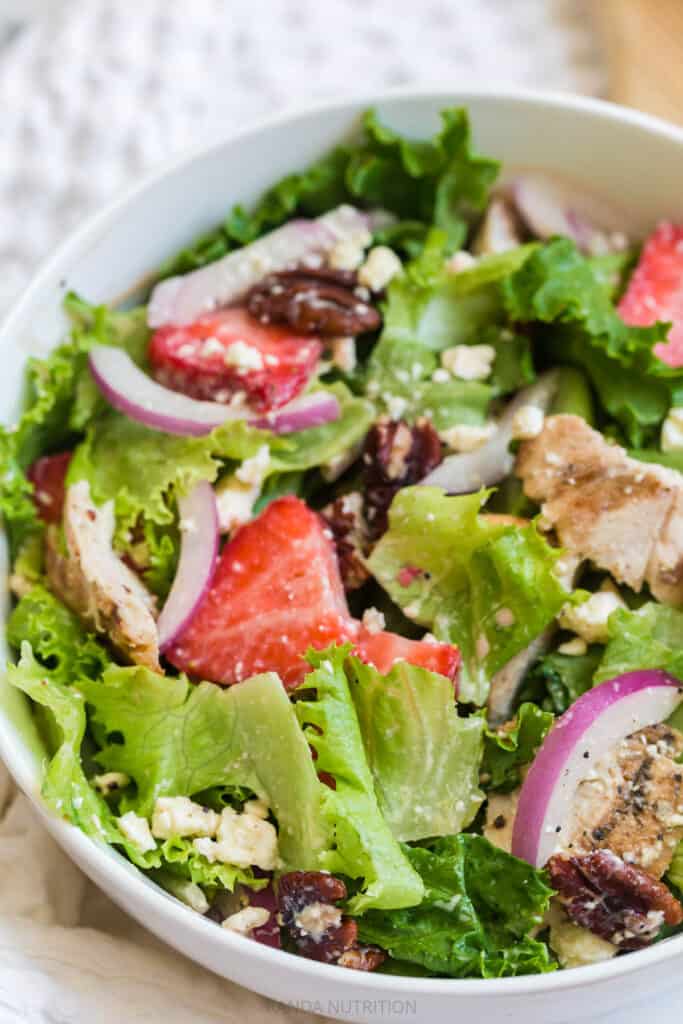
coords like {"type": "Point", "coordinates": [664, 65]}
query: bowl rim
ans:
{"type": "Point", "coordinates": [97, 858]}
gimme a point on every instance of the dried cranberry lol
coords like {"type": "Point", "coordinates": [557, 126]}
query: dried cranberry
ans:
{"type": "Point", "coordinates": [395, 455]}
{"type": "Point", "coordinates": [617, 901]}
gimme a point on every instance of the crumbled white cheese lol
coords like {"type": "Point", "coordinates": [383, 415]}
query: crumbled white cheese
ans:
{"type": "Point", "coordinates": [672, 431]}
{"type": "Point", "coordinates": [574, 647]}
{"type": "Point", "coordinates": [244, 921]}
{"type": "Point", "coordinates": [234, 501]}
{"type": "Point", "coordinates": [589, 620]}
{"type": "Point", "coordinates": [527, 423]}
{"type": "Point", "coordinates": [136, 829]}
{"type": "Point", "coordinates": [469, 362]}
{"type": "Point", "coordinates": [381, 265]}
{"type": "Point", "coordinates": [258, 807]}
{"type": "Point", "coordinates": [466, 438]}
{"type": "Point", "coordinates": [253, 470]}
{"type": "Point", "coordinates": [207, 847]}
{"type": "Point", "coordinates": [180, 816]}
{"type": "Point", "coordinates": [373, 620]}
{"type": "Point", "coordinates": [461, 260]}
{"type": "Point", "coordinates": [317, 918]}
{"type": "Point", "coordinates": [575, 946]}
{"type": "Point", "coordinates": [441, 376]}
{"type": "Point", "coordinates": [212, 347]}
{"type": "Point", "coordinates": [347, 253]}
{"type": "Point", "coordinates": [243, 356]}
{"type": "Point", "coordinates": [109, 782]}
{"type": "Point", "coordinates": [245, 840]}
{"type": "Point", "coordinates": [344, 354]}
{"type": "Point", "coordinates": [396, 406]}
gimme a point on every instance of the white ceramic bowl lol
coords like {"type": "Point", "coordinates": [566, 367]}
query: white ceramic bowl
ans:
{"type": "Point", "coordinates": [631, 158]}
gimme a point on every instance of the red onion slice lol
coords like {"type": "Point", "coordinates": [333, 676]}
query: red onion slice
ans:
{"type": "Point", "coordinates": [550, 206]}
{"type": "Point", "coordinates": [595, 723]}
{"type": "Point", "coordinates": [488, 465]}
{"type": "Point", "coordinates": [180, 300]}
{"type": "Point", "coordinates": [198, 552]}
{"type": "Point", "coordinates": [302, 413]}
{"type": "Point", "coordinates": [135, 394]}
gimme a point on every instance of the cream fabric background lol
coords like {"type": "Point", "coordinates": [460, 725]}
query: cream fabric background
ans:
{"type": "Point", "coordinates": [93, 92]}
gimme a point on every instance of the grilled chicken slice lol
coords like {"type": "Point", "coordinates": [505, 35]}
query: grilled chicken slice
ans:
{"type": "Point", "coordinates": [631, 803]}
{"type": "Point", "coordinates": [93, 581]}
{"type": "Point", "coordinates": [625, 516]}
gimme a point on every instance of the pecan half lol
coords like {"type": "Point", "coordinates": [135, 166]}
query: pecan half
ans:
{"type": "Point", "coordinates": [617, 901]}
{"type": "Point", "coordinates": [395, 455]}
{"type": "Point", "coordinates": [313, 301]}
{"type": "Point", "coordinates": [349, 530]}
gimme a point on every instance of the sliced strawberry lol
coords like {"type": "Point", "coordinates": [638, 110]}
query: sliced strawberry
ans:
{"type": "Point", "coordinates": [276, 592]}
{"type": "Point", "coordinates": [47, 475]}
{"type": "Point", "coordinates": [384, 649]}
{"type": "Point", "coordinates": [228, 352]}
{"type": "Point", "coordinates": [655, 291]}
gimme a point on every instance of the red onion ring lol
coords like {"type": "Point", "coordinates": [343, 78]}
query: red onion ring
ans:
{"type": "Point", "coordinates": [132, 392]}
{"type": "Point", "coordinates": [596, 722]}
{"type": "Point", "coordinates": [198, 553]}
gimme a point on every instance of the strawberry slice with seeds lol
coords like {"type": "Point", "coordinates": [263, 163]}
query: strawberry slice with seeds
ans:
{"type": "Point", "coordinates": [383, 650]}
{"type": "Point", "coordinates": [47, 474]}
{"type": "Point", "coordinates": [655, 291]}
{"type": "Point", "coordinates": [276, 592]}
{"type": "Point", "coordinates": [229, 352]}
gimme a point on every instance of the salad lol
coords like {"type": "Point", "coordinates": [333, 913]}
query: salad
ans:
{"type": "Point", "coordinates": [348, 570]}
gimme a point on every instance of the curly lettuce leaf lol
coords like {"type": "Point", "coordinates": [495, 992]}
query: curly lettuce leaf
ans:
{"type": "Point", "coordinates": [61, 399]}
{"type": "Point", "coordinates": [470, 569]}
{"type": "Point", "coordinates": [507, 750]}
{"type": "Point", "coordinates": [177, 739]}
{"type": "Point", "coordinates": [443, 181]}
{"type": "Point", "coordinates": [68, 792]}
{"type": "Point", "coordinates": [558, 286]}
{"type": "Point", "coordinates": [675, 872]}
{"type": "Point", "coordinates": [364, 847]}
{"type": "Point", "coordinates": [57, 638]}
{"type": "Point", "coordinates": [479, 908]}
{"type": "Point", "coordinates": [424, 758]}
{"type": "Point", "coordinates": [650, 637]}
{"type": "Point", "coordinates": [429, 309]}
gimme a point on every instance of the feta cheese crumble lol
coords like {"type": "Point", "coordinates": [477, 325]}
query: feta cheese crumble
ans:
{"type": "Point", "coordinates": [344, 354]}
{"type": "Point", "coordinates": [527, 423]}
{"type": "Point", "coordinates": [243, 357]}
{"type": "Point", "coordinates": [381, 265]}
{"type": "Point", "coordinates": [243, 840]}
{"type": "Point", "coordinates": [244, 921]}
{"type": "Point", "coordinates": [672, 431]}
{"type": "Point", "coordinates": [136, 829]}
{"type": "Point", "coordinates": [466, 438]}
{"type": "Point", "coordinates": [589, 620]}
{"type": "Point", "coordinates": [469, 362]}
{"type": "Point", "coordinates": [180, 816]}
{"type": "Point", "coordinates": [373, 620]}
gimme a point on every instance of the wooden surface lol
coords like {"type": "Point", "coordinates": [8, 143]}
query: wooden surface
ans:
{"type": "Point", "coordinates": [643, 42]}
